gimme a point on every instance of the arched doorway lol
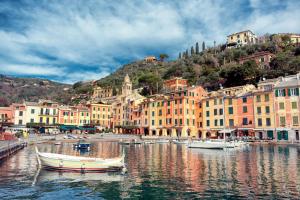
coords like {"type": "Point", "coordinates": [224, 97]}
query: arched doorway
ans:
{"type": "Point", "coordinates": [178, 132]}
{"type": "Point", "coordinates": [188, 132]}
{"type": "Point", "coordinates": [168, 132]}
{"type": "Point", "coordinates": [146, 131]}
{"type": "Point", "coordinates": [208, 134]}
{"type": "Point", "coordinates": [153, 132]}
{"type": "Point", "coordinates": [160, 132]}
{"type": "Point", "coordinates": [199, 134]}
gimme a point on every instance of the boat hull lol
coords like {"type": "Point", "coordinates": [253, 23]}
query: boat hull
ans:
{"type": "Point", "coordinates": [206, 145]}
{"type": "Point", "coordinates": [79, 164]}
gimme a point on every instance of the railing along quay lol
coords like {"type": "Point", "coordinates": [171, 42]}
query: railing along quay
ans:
{"type": "Point", "coordinates": [8, 148]}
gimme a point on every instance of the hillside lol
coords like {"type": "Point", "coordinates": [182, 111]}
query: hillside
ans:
{"type": "Point", "coordinates": [32, 89]}
{"type": "Point", "coordinates": [211, 67]}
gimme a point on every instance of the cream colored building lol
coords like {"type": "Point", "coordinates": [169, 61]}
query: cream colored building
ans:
{"type": "Point", "coordinates": [241, 38]}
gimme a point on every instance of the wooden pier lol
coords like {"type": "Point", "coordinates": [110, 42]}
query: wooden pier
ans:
{"type": "Point", "coordinates": [8, 148]}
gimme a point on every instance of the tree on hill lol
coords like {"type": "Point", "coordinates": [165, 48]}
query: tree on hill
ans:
{"type": "Point", "coordinates": [192, 50]}
{"type": "Point", "coordinates": [150, 81]}
{"type": "Point", "coordinates": [203, 46]}
{"type": "Point", "coordinates": [163, 56]}
{"type": "Point", "coordinates": [197, 48]}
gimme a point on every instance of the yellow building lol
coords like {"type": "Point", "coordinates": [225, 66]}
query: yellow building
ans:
{"type": "Point", "coordinates": [101, 114]}
{"type": "Point", "coordinates": [264, 111]}
{"type": "Point", "coordinates": [241, 38]}
{"type": "Point", "coordinates": [48, 112]}
{"type": "Point", "coordinates": [83, 116]}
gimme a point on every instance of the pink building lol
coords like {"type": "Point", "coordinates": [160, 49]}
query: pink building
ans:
{"type": "Point", "coordinates": [245, 114]}
{"type": "Point", "coordinates": [6, 115]}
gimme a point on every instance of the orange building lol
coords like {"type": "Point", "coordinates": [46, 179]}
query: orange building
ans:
{"type": "Point", "coordinates": [6, 115]}
{"type": "Point", "coordinates": [262, 59]}
{"type": "Point", "coordinates": [175, 84]}
{"type": "Point", "coordinates": [68, 115]}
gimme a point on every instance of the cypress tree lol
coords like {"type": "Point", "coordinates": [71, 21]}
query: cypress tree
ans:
{"type": "Point", "coordinates": [192, 50]}
{"type": "Point", "coordinates": [203, 46]}
{"type": "Point", "coordinates": [187, 53]}
{"type": "Point", "coordinates": [179, 56]}
{"type": "Point", "coordinates": [197, 48]}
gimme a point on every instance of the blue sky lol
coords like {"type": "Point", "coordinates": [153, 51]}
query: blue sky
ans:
{"type": "Point", "coordinates": [75, 40]}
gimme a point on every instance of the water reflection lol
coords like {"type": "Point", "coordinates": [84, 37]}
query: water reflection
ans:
{"type": "Point", "coordinates": [163, 171]}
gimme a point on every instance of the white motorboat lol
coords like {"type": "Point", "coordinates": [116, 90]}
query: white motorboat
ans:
{"type": "Point", "coordinates": [62, 162]}
{"type": "Point", "coordinates": [180, 141]}
{"type": "Point", "coordinates": [207, 145]}
{"type": "Point", "coordinates": [149, 142]}
{"type": "Point", "coordinates": [161, 141]}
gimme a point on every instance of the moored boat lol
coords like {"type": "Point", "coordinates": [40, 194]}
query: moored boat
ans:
{"type": "Point", "coordinates": [61, 162]}
{"type": "Point", "coordinates": [207, 145]}
{"type": "Point", "coordinates": [82, 145]}
{"type": "Point", "coordinates": [149, 142]}
{"type": "Point", "coordinates": [180, 141]}
{"type": "Point", "coordinates": [161, 141]}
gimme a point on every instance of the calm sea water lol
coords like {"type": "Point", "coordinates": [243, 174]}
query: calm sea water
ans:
{"type": "Point", "coordinates": [160, 171]}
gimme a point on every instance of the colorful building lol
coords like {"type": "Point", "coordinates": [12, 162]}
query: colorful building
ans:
{"type": "Point", "coordinates": [68, 115]}
{"type": "Point", "coordinates": [48, 114]}
{"type": "Point", "coordinates": [6, 115]}
{"type": "Point", "coordinates": [101, 114]}
{"type": "Point", "coordinates": [264, 109]}
{"type": "Point", "coordinates": [287, 106]}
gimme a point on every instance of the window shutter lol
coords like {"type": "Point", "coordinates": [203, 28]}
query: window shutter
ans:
{"type": "Point", "coordinates": [276, 93]}
{"type": "Point", "coordinates": [284, 92]}
{"type": "Point", "coordinates": [289, 92]}
{"type": "Point", "coordinates": [297, 91]}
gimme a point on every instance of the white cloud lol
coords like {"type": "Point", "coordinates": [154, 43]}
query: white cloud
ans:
{"type": "Point", "coordinates": [56, 36]}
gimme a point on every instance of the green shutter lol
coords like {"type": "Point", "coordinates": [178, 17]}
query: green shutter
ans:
{"type": "Point", "coordinates": [284, 92]}
{"type": "Point", "coordinates": [276, 93]}
{"type": "Point", "coordinates": [297, 91]}
{"type": "Point", "coordinates": [289, 92]}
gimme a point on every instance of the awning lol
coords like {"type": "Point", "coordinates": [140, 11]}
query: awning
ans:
{"type": "Point", "coordinates": [227, 131]}
{"type": "Point", "coordinates": [67, 127]}
{"type": "Point", "coordinates": [283, 129]}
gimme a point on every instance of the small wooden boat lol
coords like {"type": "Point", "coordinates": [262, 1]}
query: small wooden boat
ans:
{"type": "Point", "coordinates": [161, 141]}
{"type": "Point", "coordinates": [82, 145]}
{"type": "Point", "coordinates": [57, 143]}
{"type": "Point", "coordinates": [180, 141]}
{"type": "Point", "coordinates": [53, 161]}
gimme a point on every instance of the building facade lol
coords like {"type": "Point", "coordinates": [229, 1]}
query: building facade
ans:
{"type": "Point", "coordinates": [241, 38]}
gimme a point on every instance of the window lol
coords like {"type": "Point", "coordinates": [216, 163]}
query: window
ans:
{"type": "Point", "coordinates": [281, 105]}
{"type": "Point", "coordinates": [152, 122]}
{"type": "Point", "coordinates": [268, 121]}
{"type": "Point", "coordinates": [175, 101]}
{"type": "Point", "coordinates": [187, 101]}
{"type": "Point", "coordinates": [267, 98]}
{"type": "Point", "coordinates": [245, 109]}
{"type": "Point", "coordinates": [282, 121]}
{"type": "Point", "coordinates": [220, 111]}
{"type": "Point", "coordinates": [216, 122]}
{"type": "Point", "coordinates": [180, 101]}
{"type": "Point", "coordinates": [175, 121]}
{"type": "Point", "coordinates": [160, 122]}
{"type": "Point", "coordinates": [229, 101]}
{"type": "Point", "coordinates": [169, 103]}
{"type": "Point", "coordinates": [221, 122]}
{"type": "Point", "coordinates": [267, 109]}
{"type": "Point", "coordinates": [258, 98]}
{"type": "Point", "coordinates": [245, 121]}
{"type": "Point", "coordinates": [160, 112]}
{"type": "Point", "coordinates": [32, 111]}
{"type": "Point", "coordinates": [280, 93]}
{"type": "Point", "coordinates": [294, 105]}
{"type": "Point", "coordinates": [21, 113]}
{"type": "Point", "coordinates": [220, 101]}
{"type": "Point", "coordinates": [207, 103]}
{"type": "Point", "coordinates": [180, 111]}
{"type": "Point", "coordinates": [175, 111]}
{"type": "Point", "coordinates": [295, 120]}
{"type": "Point", "coordinates": [169, 111]}
{"type": "Point", "coordinates": [259, 122]}
{"type": "Point", "coordinates": [187, 122]}
{"type": "Point", "coordinates": [293, 92]}
{"type": "Point", "coordinates": [41, 119]}
{"type": "Point", "coordinates": [153, 113]}
{"type": "Point", "coordinates": [244, 99]}
{"type": "Point", "coordinates": [31, 120]}
{"type": "Point", "coordinates": [230, 110]}
{"type": "Point", "coordinates": [231, 122]}
{"type": "Point", "coordinates": [207, 113]}
{"type": "Point", "coordinates": [215, 111]}
{"type": "Point", "coordinates": [258, 110]}
{"type": "Point", "coordinates": [180, 121]}
{"type": "Point", "coordinates": [20, 122]}
{"type": "Point", "coordinates": [207, 123]}
{"type": "Point", "coordinates": [215, 101]}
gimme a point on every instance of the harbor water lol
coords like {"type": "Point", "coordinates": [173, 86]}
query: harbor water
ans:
{"type": "Point", "coordinates": [159, 171]}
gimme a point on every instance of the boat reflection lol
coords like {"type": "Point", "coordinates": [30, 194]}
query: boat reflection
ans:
{"type": "Point", "coordinates": [55, 176]}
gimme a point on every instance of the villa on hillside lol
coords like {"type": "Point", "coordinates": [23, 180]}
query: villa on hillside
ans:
{"type": "Point", "coordinates": [262, 59]}
{"type": "Point", "coordinates": [241, 38]}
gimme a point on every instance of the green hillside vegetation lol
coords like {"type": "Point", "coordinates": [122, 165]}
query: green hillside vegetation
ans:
{"type": "Point", "coordinates": [211, 67]}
